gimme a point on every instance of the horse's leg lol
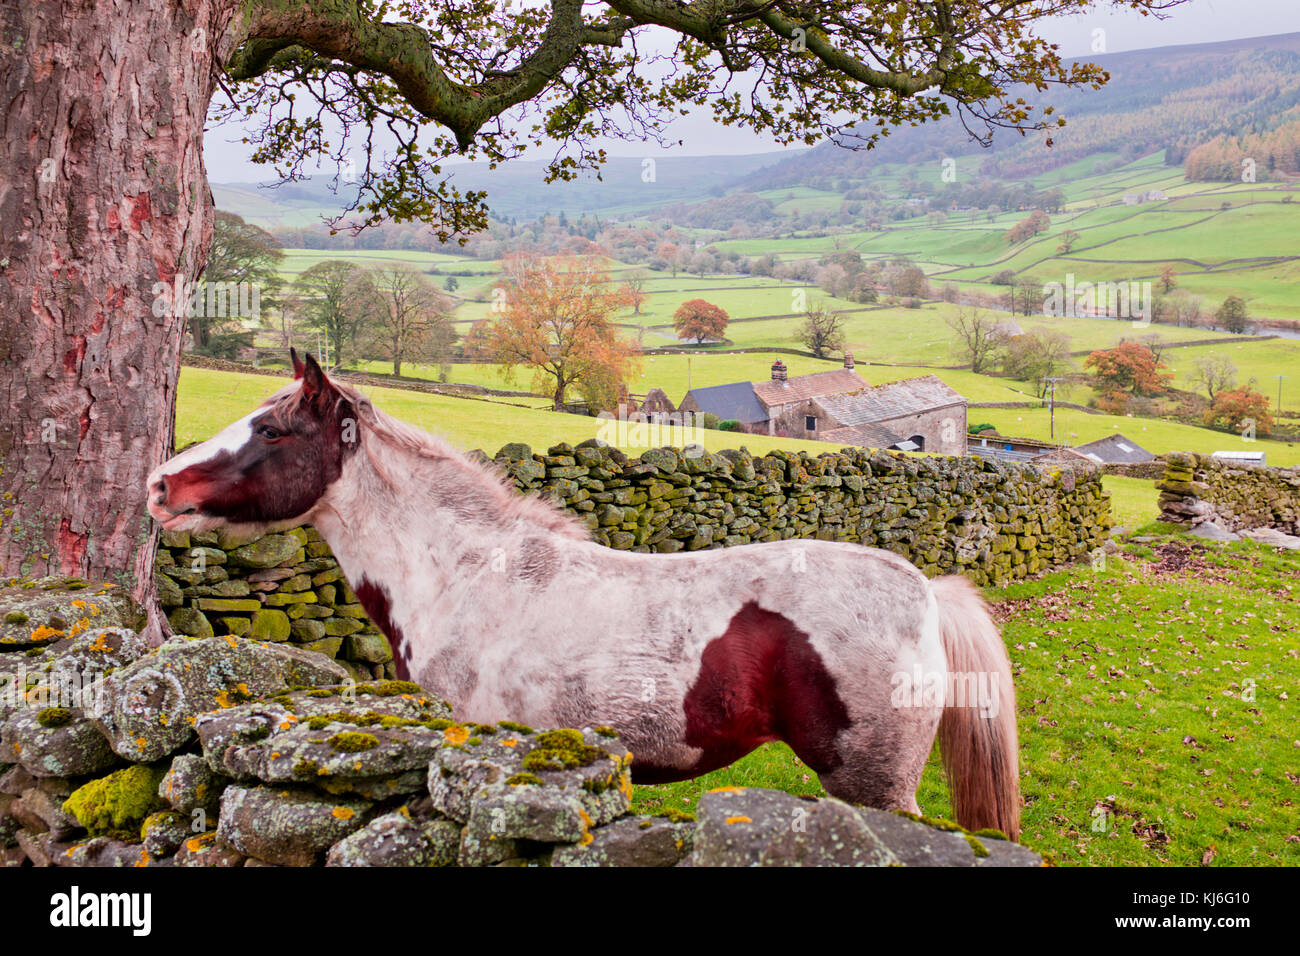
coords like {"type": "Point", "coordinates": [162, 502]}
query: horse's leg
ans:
{"type": "Point", "coordinates": [878, 761]}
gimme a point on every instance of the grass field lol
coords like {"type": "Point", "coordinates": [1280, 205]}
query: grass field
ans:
{"type": "Point", "coordinates": [1156, 713]}
{"type": "Point", "coordinates": [207, 401]}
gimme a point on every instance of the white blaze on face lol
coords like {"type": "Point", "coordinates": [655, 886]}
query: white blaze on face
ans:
{"type": "Point", "coordinates": [230, 439]}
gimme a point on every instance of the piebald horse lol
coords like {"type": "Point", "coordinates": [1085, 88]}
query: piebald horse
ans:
{"type": "Point", "coordinates": [504, 605]}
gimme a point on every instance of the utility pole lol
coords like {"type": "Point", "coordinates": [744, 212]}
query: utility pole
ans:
{"type": "Point", "coordinates": [1051, 403]}
{"type": "Point", "coordinates": [1279, 393]}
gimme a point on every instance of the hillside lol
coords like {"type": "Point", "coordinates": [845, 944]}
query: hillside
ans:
{"type": "Point", "coordinates": [516, 190]}
{"type": "Point", "coordinates": [1172, 98]}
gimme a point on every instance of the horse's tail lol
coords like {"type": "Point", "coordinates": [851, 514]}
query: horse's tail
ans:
{"type": "Point", "coordinates": [977, 736]}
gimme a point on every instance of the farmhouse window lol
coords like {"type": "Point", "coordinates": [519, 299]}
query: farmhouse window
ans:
{"type": "Point", "coordinates": [810, 423]}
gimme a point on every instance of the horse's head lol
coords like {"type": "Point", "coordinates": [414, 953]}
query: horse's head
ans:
{"type": "Point", "coordinates": [270, 468]}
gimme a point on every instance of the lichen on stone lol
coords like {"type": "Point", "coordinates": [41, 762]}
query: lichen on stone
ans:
{"type": "Point", "coordinates": [119, 802]}
{"type": "Point", "coordinates": [351, 742]}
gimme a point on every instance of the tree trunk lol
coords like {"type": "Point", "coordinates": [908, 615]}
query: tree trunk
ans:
{"type": "Point", "coordinates": [102, 196]}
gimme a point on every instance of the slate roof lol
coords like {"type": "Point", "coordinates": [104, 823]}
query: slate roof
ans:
{"type": "Point", "coordinates": [865, 436]}
{"type": "Point", "coordinates": [1115, 450]}
{"type": "Point", "coordinates": [803, 387]}
{"type": "Point", "coordinates": [884, 403]}
{"type": "Point", "coordinates": [735, 401]}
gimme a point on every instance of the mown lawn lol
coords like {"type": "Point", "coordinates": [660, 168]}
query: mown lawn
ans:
{"type": "Point", "coordinates": [1158, 722]}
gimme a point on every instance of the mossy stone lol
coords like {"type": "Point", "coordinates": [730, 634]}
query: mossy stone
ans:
{"type": "Point", "coordinates": [118, 802]}
{"type": "Point", "coordinates": [269, 625]}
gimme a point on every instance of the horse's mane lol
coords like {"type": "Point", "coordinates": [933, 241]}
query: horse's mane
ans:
{"type": "Point", "coordinates": [387, 430]}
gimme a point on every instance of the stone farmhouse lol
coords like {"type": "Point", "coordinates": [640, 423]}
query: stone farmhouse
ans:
{"type": "Point", "coordinates": [839, 406]}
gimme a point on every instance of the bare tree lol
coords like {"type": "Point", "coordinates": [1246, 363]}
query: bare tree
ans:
{"type": "Point", "coordinates": [1214, 374]}
{"type": "Point", "coordinates": [1038, 357]}
{"type": "Point", "coordinates": [979, 337]}
{"type": "Point", "coordinates": [406, 317]}
{"type": "Point", "coordinates": [823, 331]}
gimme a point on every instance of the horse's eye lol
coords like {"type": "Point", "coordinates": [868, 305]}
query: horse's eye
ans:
{"type": "Point", "coordinates": [269, 431]}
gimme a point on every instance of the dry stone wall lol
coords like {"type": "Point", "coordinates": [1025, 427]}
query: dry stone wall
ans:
{"type": "Point", "coordinates": [992, 521]}
{"type": "Point", "coordinates": [1198, 489]}
{"type": "Point", "coordinates": [226, 751]}
{"type": "Point", "coordinates": [277, 588]}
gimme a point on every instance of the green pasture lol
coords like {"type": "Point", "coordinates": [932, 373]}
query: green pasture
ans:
{"type": "Point", "coordinates": [1261, 361]}
{"type": "Point", "coordinates": [207, 401]}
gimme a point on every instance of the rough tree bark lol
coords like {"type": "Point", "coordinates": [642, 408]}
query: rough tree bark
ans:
{"type": "Point", "coordinates": [103, 195]}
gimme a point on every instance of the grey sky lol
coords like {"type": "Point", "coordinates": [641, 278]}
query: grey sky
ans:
{"type": "Point", "coordinates": [1200, 21]}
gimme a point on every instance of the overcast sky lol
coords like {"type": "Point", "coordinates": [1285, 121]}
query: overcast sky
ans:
{"type": "Point", "coordinates": [1200, 21]}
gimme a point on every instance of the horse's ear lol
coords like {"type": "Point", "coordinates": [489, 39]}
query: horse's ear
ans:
{"type": "Point", "coordinates": [316, 387]}
{"type": "Point", "coordinates": [297, 362]}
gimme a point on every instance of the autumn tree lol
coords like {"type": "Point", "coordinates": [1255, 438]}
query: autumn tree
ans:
{"type": "Point", "coordinates": [555, 320]}
{"type": "Point", "coordinates": [1241, 409]}
{"type": "Point", "coordinates": [1168, 280]}
{"type": "Point", "coordinates": [980, 337]}
{"type": "Point", "coordinates": [1036, 222]}
{"type": "Point", "coordinates": [1129, 367]}
{"type": "Point", "coordinates": [104, 194]}
{"type": "Point", "coordinates": [329, 298]}
{"type": "Point", "coordinates": [636, 294]}
{"type": "Point", "coordinates": [404, 317]}
{"type": "Point", "coordinates": [1068, 239]}
{"type": "Point", "coordinates": [1213, 375]}
{"type": "Point", "coordinates": [822, 331]}
{"type": "Point", "coordinates": [699, 320]}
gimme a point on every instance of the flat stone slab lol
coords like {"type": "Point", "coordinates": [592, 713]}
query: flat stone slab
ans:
{"type": "Point", "coordinates": [48, 610]}
{"type": "Point", "coordinates": [399, 839]}
{"type": "Point", "coordinates": [375, 739]}
{"type": "Point", "coordinates": [287, 827]}
{"type": "Point", "coordinates": [1213, 532]}
{"type": "Point", "coordinates": [157, 699]}
{"type": "Point", "coordinates": [1273, 538]}
{"type": "Point", "coordinates": [631, 841]}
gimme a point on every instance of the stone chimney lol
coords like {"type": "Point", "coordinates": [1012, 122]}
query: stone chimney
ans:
{"type": "Point", "coordinates": [848, 361]}
{"type": "Point", "coordinates": [778, 371]}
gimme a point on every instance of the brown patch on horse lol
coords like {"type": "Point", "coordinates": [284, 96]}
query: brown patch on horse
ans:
{"type": "Point", "coordinates": [761, 680]}
{"type": "Point", "coordinates": [378, 606]}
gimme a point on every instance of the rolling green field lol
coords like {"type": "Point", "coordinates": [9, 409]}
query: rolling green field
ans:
{"type": "Point", "coordinates": [1157, 711]}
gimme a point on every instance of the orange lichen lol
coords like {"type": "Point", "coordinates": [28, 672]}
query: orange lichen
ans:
{"type": "Point", "coordinates": [733, 820]}
{"type": "Point", "coordinates": [456, 734]}
{"type": "Point", "coordinates": [343, 813]}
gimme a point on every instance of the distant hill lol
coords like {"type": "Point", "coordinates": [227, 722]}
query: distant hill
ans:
{"type": "Point", "coordinates": [1172, 98]}
{"type": "Point", "coordinates": [517, 189]}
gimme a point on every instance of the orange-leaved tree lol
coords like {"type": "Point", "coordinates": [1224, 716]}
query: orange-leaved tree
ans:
{"type": "Point", "coordinates": [554, 318]}
{"type": "Point", "coordinates": [1129, 367]}
{"type": "Point", "coordinates": [699, 320]}
{"type": "Point", "coordinates": [1241, 408]}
